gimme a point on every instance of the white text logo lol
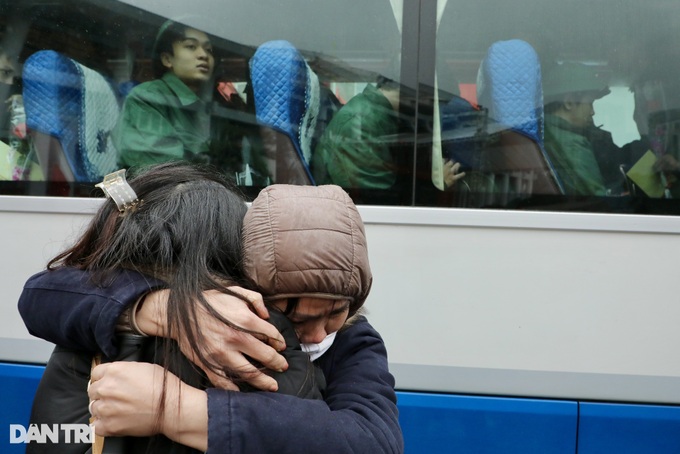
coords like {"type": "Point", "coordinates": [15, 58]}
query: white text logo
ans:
{"type": "Point", "coordinates": [54, 433]}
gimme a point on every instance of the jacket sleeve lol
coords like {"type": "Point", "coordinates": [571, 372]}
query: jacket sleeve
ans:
{"type": "Point", "coordinates": [66, 307]}
{"type": "Point", "coordinates": [359, 413]}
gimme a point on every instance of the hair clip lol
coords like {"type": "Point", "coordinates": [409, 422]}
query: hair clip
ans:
{"type": "Point", "coordinates": [116, 187]}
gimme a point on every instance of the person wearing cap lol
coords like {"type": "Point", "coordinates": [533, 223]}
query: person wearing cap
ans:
{"type": "Point", "coordinates": [569, 91]}
{"type": "Point", "coordinates": [305, 249]}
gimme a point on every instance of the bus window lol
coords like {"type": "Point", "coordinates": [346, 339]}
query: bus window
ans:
{"type": "Point", "coordinates": [565, 100]}
{"type": "Point", "coordinates": [104, 87]}
{"type": "Point", "coordinates": [450, 104]}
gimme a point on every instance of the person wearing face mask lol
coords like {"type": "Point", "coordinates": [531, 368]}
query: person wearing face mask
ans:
{"type": "Point", "coordinates": [171, 203]}
{"type": "Point", "coordinates": [305, 251]}
{"type": "Point", "coordinates": [570, 90]}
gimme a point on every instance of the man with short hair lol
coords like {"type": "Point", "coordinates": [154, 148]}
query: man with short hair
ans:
{"type": "Point", "coordinates": [570, 90]}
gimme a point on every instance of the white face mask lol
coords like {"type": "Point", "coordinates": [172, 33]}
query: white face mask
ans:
{"type": "Point", "coordinates": [316, 350]}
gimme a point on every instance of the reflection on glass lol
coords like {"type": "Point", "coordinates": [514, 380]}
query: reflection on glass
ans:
{"type": "Point", "coordinates": [470, 125]}
{"type": "Point", "coordinates": [540, 145]}
{"type": "Point", "coordinates": [143, 82]}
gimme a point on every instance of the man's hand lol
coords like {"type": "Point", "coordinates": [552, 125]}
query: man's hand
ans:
{"type": "Point", "coordinates": [224, 345]}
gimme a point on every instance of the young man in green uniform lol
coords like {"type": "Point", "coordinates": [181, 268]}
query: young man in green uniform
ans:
{"type": "Point", "coordinates": [570, 90]}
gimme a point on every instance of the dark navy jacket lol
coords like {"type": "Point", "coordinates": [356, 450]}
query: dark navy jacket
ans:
{"type": "Point", "coordinates": [358, 414]}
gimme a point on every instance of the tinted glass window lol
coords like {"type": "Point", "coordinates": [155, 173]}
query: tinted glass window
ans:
{"type": "Point", "coordinates": [552, 106]}
{"type": "Point", "coordinates": [249, 88]}
{"type": "Point", "coordinates": [560, 105]}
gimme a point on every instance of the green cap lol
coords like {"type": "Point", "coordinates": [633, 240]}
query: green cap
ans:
{"type": "Point", "coordinates": [573, 78]}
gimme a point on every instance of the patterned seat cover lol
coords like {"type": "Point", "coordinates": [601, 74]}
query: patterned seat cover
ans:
{"type": "Point", "coordinates": [509, 85]}
{"type": "Point", "coordinates": [286, 93]}
{"type": "Point", "coordinates": [77, 106]}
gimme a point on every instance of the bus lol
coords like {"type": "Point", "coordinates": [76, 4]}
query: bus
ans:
{"type": "Point", "coordinates": [527, 306]}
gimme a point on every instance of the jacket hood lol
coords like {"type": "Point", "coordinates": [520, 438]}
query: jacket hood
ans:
{"type": "Point", "coordinates": [306, 241]}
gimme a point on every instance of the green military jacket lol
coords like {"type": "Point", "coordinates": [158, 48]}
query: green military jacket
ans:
{"type": "Point", "coordinates": [352, 151]}
{"type": "Point", "coordinates": [161, 120]}
{"type": "Point", "coordinates": [572, 156]}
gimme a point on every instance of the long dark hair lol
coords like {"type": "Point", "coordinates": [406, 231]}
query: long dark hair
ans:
{"type": "Point", "coordinates": [186, 231]}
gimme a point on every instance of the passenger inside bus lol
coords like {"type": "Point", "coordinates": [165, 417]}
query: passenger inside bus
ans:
{"type": "Point", "coordinates": [8, 70]}
{"type": "Point", "coordinates": [16, 163]}
{"type": "Point", "coordinates": [173, 117]}
{"type": "Point", "coordinates": [570, 90]}
{"type": "Point", "coordinates": [354, 150]}
{"type": "Point", "coordinates": [321, 301]}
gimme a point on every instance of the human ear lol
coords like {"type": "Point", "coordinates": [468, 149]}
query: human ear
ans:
{"type": "Point", "coordinates": [569, 102]}
{"type": "Point", "coordinates": [166, 60]}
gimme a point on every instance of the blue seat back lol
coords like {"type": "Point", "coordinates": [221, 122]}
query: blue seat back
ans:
{"type": "Point", "coordinates": [77, 106]}
{"type": "Point", "coordinates": [286, 93]}
{"type": "Point", "coordinates": [509, 86]}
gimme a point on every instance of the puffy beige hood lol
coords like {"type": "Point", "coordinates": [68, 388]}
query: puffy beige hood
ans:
{"type": "Point", "coordinates": [306, 241]}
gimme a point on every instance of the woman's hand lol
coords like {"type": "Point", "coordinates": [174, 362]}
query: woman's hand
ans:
{"type": "Point", "coordinates": [224, 345]}
{"type": "Point", "coordinates": [125, 401]}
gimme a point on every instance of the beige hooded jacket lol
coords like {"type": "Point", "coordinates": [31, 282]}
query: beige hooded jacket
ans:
{"type": "Point", "coordinates": [306, 241]}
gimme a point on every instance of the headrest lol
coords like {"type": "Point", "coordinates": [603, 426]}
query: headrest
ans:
{"type": "Point", "coordinates": [77, 106]}
{"type": "Point", "coordinates": [286, 93]}
{"type": "Point", "coordinates": [509, 85]}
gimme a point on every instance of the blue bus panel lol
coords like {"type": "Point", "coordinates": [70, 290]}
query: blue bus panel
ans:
{"type": "Point", "coordinates": [465, 424]}
{"type": "Point", "coordinates": [18, 383]}
{"type": "Point", "coordinates": [442, 423]}
{"type": "Point", "coordinates": [628, 429]}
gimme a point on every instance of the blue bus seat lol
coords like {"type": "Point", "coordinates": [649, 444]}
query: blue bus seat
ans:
{"type": "Point", "coordinates": [71, 110]}
{"type": "Point", "coordinates": [287, 96]}
{"type": "Point", "coordinates": [509, 86]}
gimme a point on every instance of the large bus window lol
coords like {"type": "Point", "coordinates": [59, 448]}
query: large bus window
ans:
{"type": "Point", "coordinates": [572, 104]}
{"type": "Point", "coordinates": [248, 88]}
{"type": "Point", "coordinates": [451, 104]}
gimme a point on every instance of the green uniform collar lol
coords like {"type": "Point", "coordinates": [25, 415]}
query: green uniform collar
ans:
{"type": "Point", "coordinates": [184, 94]}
